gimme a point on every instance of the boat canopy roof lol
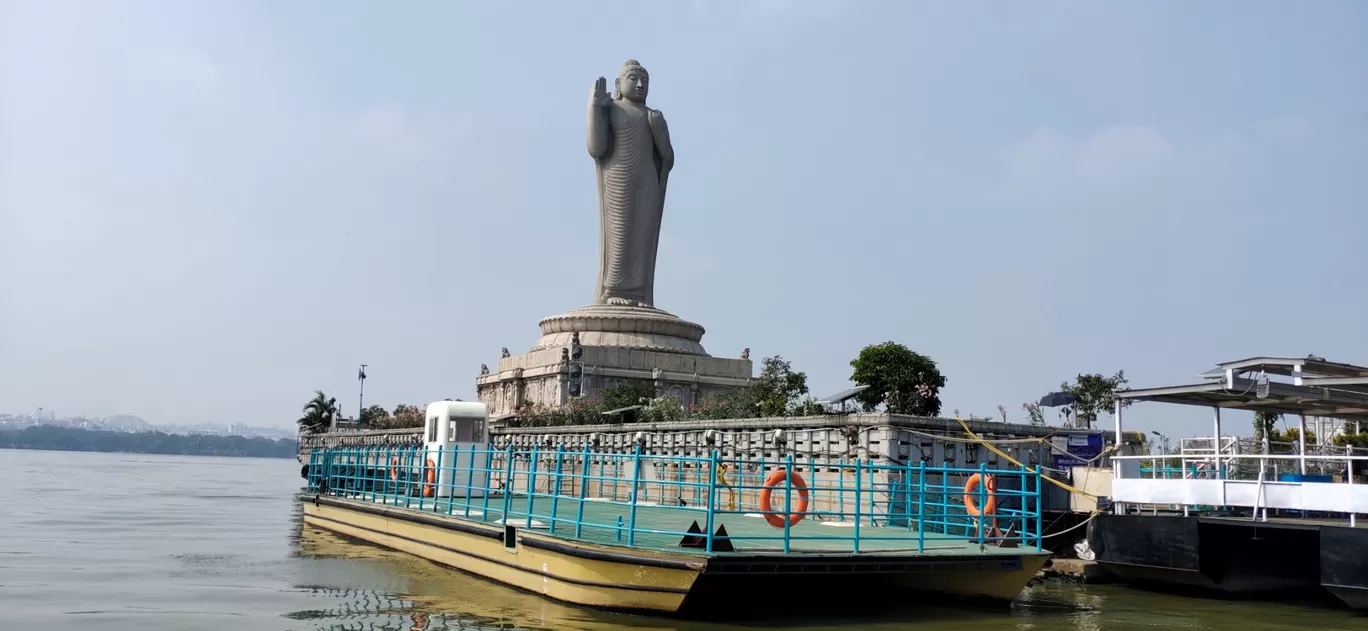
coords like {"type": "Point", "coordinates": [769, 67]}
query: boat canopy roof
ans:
{"type": "Point", "coordinates": [1241, 393]}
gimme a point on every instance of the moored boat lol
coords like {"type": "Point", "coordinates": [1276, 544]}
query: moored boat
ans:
{"type": "Point", "coordinates": [681, 534]}
{"type": "Point", "coordinates": [1225, 516]}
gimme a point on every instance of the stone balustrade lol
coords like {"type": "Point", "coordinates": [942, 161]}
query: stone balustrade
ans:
{"type": "Point", "coordinates": [404, 436]}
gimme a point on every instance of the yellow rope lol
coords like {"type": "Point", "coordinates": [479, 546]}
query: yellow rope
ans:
{"type": "Point", "coordinates": [1016, 462]}
{"type": "Point", "coordinates": [722, 482]}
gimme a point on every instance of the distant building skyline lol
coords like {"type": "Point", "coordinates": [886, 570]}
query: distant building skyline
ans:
{"type": "Point", "coordinates": [129, 423]}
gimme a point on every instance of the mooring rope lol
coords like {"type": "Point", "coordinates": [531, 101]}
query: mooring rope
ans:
{"type": "Point", "coordinates": [1002, 454]}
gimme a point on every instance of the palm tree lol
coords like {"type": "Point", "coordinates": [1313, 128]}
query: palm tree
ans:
{"type": "Point", "coordinates": [319, 413]}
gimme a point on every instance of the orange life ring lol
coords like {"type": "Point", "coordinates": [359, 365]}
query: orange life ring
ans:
{"type": "Point", "coordinates": [429, 479]}
{"type": "Point", "coordinates": [799, 511]}
{"type": "Point", "coordinates": [971, 491]}
{"type": "Point", "coordinates": [430, 486]}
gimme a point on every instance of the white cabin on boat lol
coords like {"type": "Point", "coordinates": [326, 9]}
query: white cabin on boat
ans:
{"type": "Point", "coordinates": [456, 434]}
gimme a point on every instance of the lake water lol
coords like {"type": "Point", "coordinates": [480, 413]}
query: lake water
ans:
{"type": "Point", "coordinates": [137, 542]}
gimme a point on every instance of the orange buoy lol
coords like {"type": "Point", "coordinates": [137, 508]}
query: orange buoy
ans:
{"type": "Point", "coordinates": [429, 479]}
{"type": "Point", "coordinates": [971, 491]}
{"type": "Point", "coordinates": [989, 507]}
{"type": "Point", "coordinates": [430, 486]}
{"type": "Point", "coordinates": [799, 511]}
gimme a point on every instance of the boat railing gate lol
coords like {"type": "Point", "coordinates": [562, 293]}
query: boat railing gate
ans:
{"type": "Point", "coordinates": [551, 487]}
{"type": "Point", "coordinates": [1197, 458]}
{"type": "Point", "coordinates": [1256, 481]}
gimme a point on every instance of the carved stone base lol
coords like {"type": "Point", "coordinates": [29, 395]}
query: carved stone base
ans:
{"type": "Point", "coordinates": [640, 328]}
{"type": "Point", "coordinates": [620, 344]}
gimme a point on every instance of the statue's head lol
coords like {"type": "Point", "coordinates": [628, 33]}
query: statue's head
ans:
{"type": "Point", "coordinates": [632, 82]}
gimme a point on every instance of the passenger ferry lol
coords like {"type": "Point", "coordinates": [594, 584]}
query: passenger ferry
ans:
{"type": "Point", "coordinates": [686, 534]}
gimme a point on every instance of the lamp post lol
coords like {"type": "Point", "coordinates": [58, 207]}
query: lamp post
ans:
{"type": "Point", "coordinates": [361, 398]}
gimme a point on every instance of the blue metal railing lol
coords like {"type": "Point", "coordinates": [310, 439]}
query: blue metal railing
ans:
{"type": "Point", "coordinates": [642, 500]}
{"type": "Point", "coordinates": [1170, 472]}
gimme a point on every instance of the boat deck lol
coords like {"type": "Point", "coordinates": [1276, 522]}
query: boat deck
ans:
{"type": "Point", "coordinates": [663, 527]}
{"type": "Point", "coordinates": [675, 533]}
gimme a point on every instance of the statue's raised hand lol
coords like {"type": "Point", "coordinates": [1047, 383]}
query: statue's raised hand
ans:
{"type": "Point", "coordinates": [599, 97]}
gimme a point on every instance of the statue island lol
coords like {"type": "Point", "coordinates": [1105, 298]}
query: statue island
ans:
{"type": "Point", "coordinates": [621, 334]}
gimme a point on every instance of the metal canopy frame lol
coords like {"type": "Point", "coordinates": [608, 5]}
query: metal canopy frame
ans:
{"type": "Point", "coordinates": [1348, 384]}
{"type": "Point", "coordinates": [1313, 365]}
{"type": "Point", "coordinates": [1298, 368]}
{"type": "Point", "coordinates": [1239, 394]}
{"type": "Point", "coordinates": [1318, 388]}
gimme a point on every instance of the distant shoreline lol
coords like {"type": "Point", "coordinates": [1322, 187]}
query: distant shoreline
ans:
{"type": "Point", "coordinates": [50, 438]}
{"type": "Point", "coordinates": [138, 453]}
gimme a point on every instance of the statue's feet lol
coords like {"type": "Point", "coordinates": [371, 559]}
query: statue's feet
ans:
{"type": "Point", "coordinates": [621, 302]}
{"type": "Point", "coordinates": [643, 305]}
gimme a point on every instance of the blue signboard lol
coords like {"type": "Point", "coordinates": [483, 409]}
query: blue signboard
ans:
{"type": "Point", "coordinates": [1082, 447]}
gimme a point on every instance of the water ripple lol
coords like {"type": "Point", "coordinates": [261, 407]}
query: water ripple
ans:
{"type": "Point", "coordinates": [174, 542]}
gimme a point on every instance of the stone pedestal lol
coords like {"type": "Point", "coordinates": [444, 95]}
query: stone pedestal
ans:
{"type": "Point", "coordinates": [620, 344]}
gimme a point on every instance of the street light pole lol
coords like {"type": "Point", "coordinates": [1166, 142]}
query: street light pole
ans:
{"type": "Point", "coordinates": [361, 399]}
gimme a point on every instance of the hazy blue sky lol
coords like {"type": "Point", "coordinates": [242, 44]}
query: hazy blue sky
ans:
{"type": "Point", "coordinates": [210, 209]}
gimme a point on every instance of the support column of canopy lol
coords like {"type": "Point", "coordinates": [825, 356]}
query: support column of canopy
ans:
{"type": "Point", "coordinates": [1116, 463]}
{"type": "Point", "coordinates": [1301, 441]}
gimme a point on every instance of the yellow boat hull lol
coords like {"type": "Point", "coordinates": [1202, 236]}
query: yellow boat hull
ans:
{"type": "Point", "coordinates": [557, 569]}
{"type": "Point", "coordinates": [687, 582]}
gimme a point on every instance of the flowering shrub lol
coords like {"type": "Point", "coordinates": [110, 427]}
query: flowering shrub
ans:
{"type": "Point", "coordinates": [538, 415]}
{"type": "Point", "coordinates": [721, 405]}
{"type": "Point", "coordinates": [778, 391]}
{"type": "Point", "coordinates": [582, 412]}
{"type": "Point", "coordinates": [403, 416]}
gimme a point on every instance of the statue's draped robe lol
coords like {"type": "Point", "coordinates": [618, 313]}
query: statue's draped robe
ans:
{"type": "Point", "coordinates": [631, 204]}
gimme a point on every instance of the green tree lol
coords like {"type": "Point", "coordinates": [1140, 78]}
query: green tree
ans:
{"type": "Point", "coordinates": [903, 381]}
{"type": "Point", "coordinates": [1291, 435]}
{"type": "Point", "coordinates": [626, 394]}
{"type": "Point", "coordinates": [319, 413]}
{"type": "Point", "coordinates": [662, 410]}
{"type": "Point", "coordinates": [1265, 424]}
{"type": "Point", "coordinates": [778, 389]}
{"type": "Point", "coordinates": [807, 406]}
{"type": "Point", "coordinates": [374, 416]}
{"type": "Point", "coordinates": [1357, 441]}
{"type": "Point", "coordinates": [1094, 394]}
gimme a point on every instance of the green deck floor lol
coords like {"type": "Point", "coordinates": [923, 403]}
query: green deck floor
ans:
{"type": "Point", "coordinates": [662, 527]}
